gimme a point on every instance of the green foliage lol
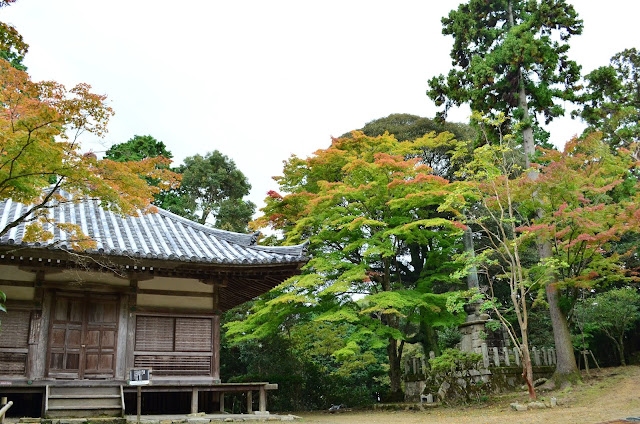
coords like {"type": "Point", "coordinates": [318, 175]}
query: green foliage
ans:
{"type": "Point", "coordinates": [213, 187]}
{"type": "Point", "coordinates": [611, 313]}
{"type": "Point", "coordinates": [303, 362]}
{"type": "Point", "coordinates": [449, 337]}
{"type": "Point", "coordinates": [138, 148]}
{"type": "Point", "coordinates": [454, 360]}
{"type": "Point", "coordinates": [612, 100]}
{"type": "Point", "coordinates": [506, 48]}
{"type": "Point", "coordinates": [406, 127]}
{"type": "Point", "coordinates": [3, 299]}
{"type": "Point", "coordinates": [369, 208]}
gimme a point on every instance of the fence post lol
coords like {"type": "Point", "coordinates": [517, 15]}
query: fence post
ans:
{"type": "Point", "coordinates": [536, 356]}
{"type": "Point", "coordinates": [496, 357]}
{"type": "Point", "coordinates": [485, 355]}
{"type": "Point", "coordinates": [507, 361]}
{"type": "Point", "coordinates": [516, 354]}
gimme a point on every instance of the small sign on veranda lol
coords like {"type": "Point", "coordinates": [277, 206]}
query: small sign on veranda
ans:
{"type": "Point", "coordinates": [139, 376]}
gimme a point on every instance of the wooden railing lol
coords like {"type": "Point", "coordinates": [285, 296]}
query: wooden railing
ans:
{"type": "Point", "coordinates": [5, 407]}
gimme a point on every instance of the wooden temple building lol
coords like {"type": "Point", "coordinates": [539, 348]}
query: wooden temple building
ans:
{"type": "Point", "coordinates": [148, 296]}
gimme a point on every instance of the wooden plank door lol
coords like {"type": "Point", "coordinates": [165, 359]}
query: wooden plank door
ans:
{"type": "Point", "coordinates": [100, 338]}
{"type": "Point", "coordinates": [82, 337]}
{"type": "Point", "coordinates": [65, 337]}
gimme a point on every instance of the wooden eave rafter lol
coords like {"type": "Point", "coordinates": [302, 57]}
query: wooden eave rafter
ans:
{"type": "Point", "coordinates": [237, 283]}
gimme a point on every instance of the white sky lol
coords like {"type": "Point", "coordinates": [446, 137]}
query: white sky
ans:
{"type": "Point", "coordinates": [261, 80]}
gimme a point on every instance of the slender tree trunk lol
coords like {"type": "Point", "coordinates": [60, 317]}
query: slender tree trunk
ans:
{"type": "Point", "coordinates": [619, 343]}
{"type": "Point", "coordinates": [621, 351]}
{"type": "Point", "coordinates": [527, 370]}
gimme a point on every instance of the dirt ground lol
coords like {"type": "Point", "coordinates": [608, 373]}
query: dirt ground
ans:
{"type": "Point", "coordinates": [610, 394]}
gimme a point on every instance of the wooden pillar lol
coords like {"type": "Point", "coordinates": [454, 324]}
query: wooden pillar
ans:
{"type": "Point", "coordinates": [194, 401]}
{"type": "Point", "coordinates": [215, 334]}
{"type": "Point", "coordinates": [215, 361]}
{"type": "Point", "coordinates": [263, 399]}
{"type": "Point", "coordinates": [34, 363]}
{"type": "Point", "coordinates": [138, 403]}
{"type": "Point", "coordinates": [121, 370]}
{"type": "Point", "coordinates": [131, 326]}
{"type": "Point", "coordinates": [40, 348]}
{"type": "Point", "coordinates": [221, 401]}
{"type": "Point", "coordinates": [249, 401]}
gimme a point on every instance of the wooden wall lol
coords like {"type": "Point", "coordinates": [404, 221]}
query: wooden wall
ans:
{"type": "Point", "coordinates": [163, 323]}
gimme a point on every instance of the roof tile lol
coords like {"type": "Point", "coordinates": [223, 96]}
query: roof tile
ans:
{"type": "Point", "coordinates": [156, 235]}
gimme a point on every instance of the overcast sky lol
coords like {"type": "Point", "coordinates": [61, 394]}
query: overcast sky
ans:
{"type": "Point", "coordinates": [261, 80]}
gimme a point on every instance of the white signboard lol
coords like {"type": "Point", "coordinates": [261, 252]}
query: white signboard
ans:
{"type": "Point", "coordinates": [139, 376]}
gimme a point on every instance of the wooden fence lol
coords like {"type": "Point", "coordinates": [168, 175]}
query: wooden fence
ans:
{"type": "Point", "coordinates": [491, 357]}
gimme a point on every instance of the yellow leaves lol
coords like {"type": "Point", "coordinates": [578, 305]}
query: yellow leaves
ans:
{"type": "Point", "coordinates": [77, 239]}
{"type": "Point", "coordinates": [38, 153]}
{"type": "Point", "coordinates": [34, 233]}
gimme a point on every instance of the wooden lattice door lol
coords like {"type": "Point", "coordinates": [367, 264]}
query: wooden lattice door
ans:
{"type": "Point", "coordinates": [82, 336]}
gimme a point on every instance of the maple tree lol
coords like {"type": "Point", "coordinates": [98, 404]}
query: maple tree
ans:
{"type": "Point", "coordinates": [40, 159]}
{"type": "Point", "coordinates": [489, 198]}
{"type": "Point", "coordinates": [581, 202]}
{"type": "Point", "coordinates": [12, 45]}
{"type": "Point", "coordinates": [590, 199]}
{"type": "Point", "coordinates": [379, 247]}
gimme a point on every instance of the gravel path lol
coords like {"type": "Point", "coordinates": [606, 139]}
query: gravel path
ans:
{"type": "Point", "coordinates": [609, 395]}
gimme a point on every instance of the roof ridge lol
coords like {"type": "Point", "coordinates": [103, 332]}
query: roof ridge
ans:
{"type": "Point", "coordinates": [230, 236]}
{"type": "Point", "coordinates": [302, 247]}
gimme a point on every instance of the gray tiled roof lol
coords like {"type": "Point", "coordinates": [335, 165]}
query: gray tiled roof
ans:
{"type": "Point", "coordinates": [158, 235]}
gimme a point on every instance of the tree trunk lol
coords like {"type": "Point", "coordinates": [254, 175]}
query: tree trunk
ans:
{"type": "Point", "coordinates": [566, 368]}
{"type": "Point", "coordinates": [527, 132]}
{"type": "Point", "coordinates": [621, 351]}
{"type": "Point", "coordinates": [527, 371]}
{"type": "Point", "coordinates": [395, 375]}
